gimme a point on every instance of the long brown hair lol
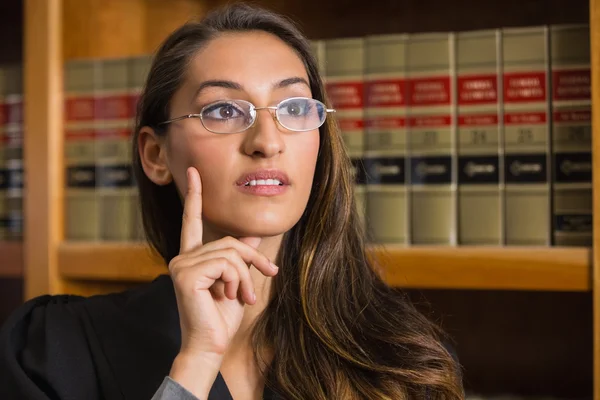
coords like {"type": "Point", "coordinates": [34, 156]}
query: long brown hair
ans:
{"type": "Point", "coordinates": [332, 329]}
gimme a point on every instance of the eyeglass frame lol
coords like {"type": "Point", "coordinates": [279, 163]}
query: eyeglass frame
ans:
{"type": "Point", "coordinates": [274, 115]}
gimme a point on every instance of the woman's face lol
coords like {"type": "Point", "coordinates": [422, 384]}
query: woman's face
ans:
{"type": "Point", "coordinates": [261, 69]}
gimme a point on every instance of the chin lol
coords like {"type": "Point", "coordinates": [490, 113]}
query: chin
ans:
{"type": "Point", "coordinates": [261, 225]}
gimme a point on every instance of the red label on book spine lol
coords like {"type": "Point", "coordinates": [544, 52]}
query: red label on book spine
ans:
{"type": "Point", "coordinates": [525, 118]}
{"type": "Point", "coordinates": [3, 112]}
{"type": "Point", "coordinates": [385, 122]}
{"type": "Point", "coordinates": [346, 95]}
{"type": "Point", "coordinates": [113, 107]}
{"type": "Point", "coordinates": [347, 124]}
{"type": "Point", "coordinates": [571, 85]}
{"type": "Point", "coordinates": [523, 87]}
{"type": "Point", "coordinates": [14, 112]}
{"type": "Point", "coordinates": [478, 120]}
{"type": "Point", "coordinates": [429, 91]}
{"type": "Point", "coordinates": [80, 108]}
{"type": "Point", "coordinates": [87, 134]}
{"type": "Point", "coordinates": [430, 120]}
{"type": "Point", "coordinates": [573, 116]}
{"type": "Point", "coordinates": [477, 89]}
{"type": "Point", "coordinates": [385, 93]}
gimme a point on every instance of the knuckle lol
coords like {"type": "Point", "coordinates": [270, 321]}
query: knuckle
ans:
{"type": "Point", "coordinates": [231, 253]}
{"type": "Point", "coordinates": [230, 240]}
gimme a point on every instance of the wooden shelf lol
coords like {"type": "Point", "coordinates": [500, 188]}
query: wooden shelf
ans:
{"type": "Point", "coordinates": [109, 261]}
{"type": "Point", "coordinates": [11, 259]}
{"type": "Point", "coordinates": [489, 268]}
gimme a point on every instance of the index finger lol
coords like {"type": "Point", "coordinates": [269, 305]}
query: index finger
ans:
{"type": "Point", "coordinates": [191, 225]}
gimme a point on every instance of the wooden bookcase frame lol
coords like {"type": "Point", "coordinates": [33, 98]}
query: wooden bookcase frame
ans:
{"type": "Point", "coordinates": [50, 265]}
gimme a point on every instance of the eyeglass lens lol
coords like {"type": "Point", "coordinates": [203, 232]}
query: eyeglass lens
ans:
{"type": "Point", "coordinates": [295, 114]}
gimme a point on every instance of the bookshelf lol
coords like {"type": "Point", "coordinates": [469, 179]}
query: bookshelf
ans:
{"type": "Point", "coordinates": [56, 31]}
{"type": "Point", "coordinates": [560, 269]}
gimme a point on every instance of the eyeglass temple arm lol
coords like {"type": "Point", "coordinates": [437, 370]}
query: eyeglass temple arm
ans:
{"type": "Point", "coordinates": [180, 118]}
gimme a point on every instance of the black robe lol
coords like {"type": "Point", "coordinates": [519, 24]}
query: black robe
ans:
{"type": "Point", "coordinates": [114, 346]}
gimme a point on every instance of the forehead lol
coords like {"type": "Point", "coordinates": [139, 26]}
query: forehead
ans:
{"type": "Point", "coordinates": [255, 56]}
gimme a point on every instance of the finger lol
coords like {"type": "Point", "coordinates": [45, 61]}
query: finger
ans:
{"type": "Point", "coordinates": [246, 283]}
{"type": "Point", "coordinates": [246, 287]}
{"type": "Point", "coordinates": [191, 225]}
{"type": "Point", "coordinates": [211, 271]}
{"type": "Point", "coordinates": [231, 278]}
{"type": "Point", "coordinates": [251, 241]}
{"type": "Point", "coordinates": [249, 255]}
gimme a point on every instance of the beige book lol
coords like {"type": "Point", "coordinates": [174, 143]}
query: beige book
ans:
{"type": "Point", "coordinates": [318, 48]}
{"type": "Point", "coordinates": [112, 122]}
{"type": "Point", "coordinates": [385, 139]}
{"type": "Point", "coordinates": [82, 209]}
{"type": "Point", "coordinates": [571, 135]}
{"type": "Point", "coordinates": [526, 135]}
{"type": "Point", "coordinates": [344, 76]}
{"type": "Point", "coordinates": [431, 136]}
{"type": "Point", "coordinates": [3, 170]}
{"type": "Point", "coordinates": [478, 138]}
{"type": "Point", "coordinates": [138, 72]}
{"type": "Point", "coordinates": [13, 153]}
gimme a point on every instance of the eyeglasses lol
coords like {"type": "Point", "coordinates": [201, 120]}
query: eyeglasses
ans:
{"type": "Point", "coordinates": [298, 114]}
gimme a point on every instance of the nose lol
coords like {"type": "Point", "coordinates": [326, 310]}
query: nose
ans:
{"type": "Point", "coordinates": [265, 137]}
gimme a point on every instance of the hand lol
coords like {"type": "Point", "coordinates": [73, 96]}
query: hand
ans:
{"type": "Point", "coordinates": [212, 285]}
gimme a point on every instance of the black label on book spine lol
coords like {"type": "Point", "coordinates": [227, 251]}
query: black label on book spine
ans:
{"type": "Point", "coordinates": [572, 167]}
{"type": "Point", "coordinates": [15, 178]}
{"type": "Point", "coordinates": [81, 177]}
{"type": "Point", "coordinates": [3, 179]}
{"type": "Point", "coordinates": [526, 168]}
{"type": "Point", "coordinates": [358, 169]}
{"type": "Point", "coordinates": [3, 223]}
{"type": "Point", "coordinates": [115, 176]}
{"type": "Point", "coordinates": [385, 170]}
{"type": "Point", "coordinates": [431, 170]}
{"type": "Point", "coordinates": [473, 170]}
{"type": "Point", "coordinates": [573, 222]}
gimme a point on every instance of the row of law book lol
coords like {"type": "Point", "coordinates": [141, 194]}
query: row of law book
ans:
{"type": "Point", "coordinates": [458, 138]}
{"type": "Point", "coordinates": [468, 138]}
{"type": "Point", "coordinates": [11, 152]}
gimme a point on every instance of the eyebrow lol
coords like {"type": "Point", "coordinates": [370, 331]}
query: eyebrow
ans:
{"type": "Point", "coordinates": [236, 86]}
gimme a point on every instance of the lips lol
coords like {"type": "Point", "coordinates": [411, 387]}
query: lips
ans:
{"type": "Point", "coordinates": [269, 177]}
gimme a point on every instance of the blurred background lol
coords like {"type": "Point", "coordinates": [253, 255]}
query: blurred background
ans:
{"type": "Point", "coordinates": [469, 124]}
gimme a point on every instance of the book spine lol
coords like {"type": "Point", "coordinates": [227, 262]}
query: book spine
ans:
{"type": "Point", "coordinates": [3, 170]}
{"type": "Point", "coordinates": [81, 202]}
{"type": "Point", "coordinates": [345, 88]}
{"type": "Point", "coordinates": [478, 145]}
{"type": "Point", "coordinates": [571, 135]}
{"type": "Point", "coordinates": [138, 68]}
{"type": "Point", "coordinates": [318, 49]}
{"type": "Point", "coordinates": [431, 134]}
{"type": "Point", "coordinates": [13, 131]}
{"type": "Point", "coordinates": [385, 139]}
{"type": "Point", "coordinates": [526, 135]}
{"type": "Point", "coordinates": [114, 183]}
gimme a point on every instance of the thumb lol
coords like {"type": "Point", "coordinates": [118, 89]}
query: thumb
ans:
{"type": "Point", "coordinates": [251, 241]}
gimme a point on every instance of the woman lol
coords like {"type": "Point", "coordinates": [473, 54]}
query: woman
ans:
{"type": "Point", "coordinates": [247, 194]}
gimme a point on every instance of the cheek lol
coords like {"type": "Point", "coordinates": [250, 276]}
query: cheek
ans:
{"type": "Point", "coordinates": [210, 157]}
{"type": "Point", "coordinates": [305, 154]}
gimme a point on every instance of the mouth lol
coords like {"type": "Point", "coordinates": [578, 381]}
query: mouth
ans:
{"type": "Point", "coordinates": [264, 178]}
{"type": "Point", "coordinates": [270, 182]}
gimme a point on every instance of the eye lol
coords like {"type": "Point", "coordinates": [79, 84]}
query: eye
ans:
{"type": "Point", "coordinates": [295, 107]}
{"type": "Point", "coordinates": [222, 111]}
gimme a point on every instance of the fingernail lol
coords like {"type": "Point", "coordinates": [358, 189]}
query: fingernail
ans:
{"type": "Point", "coordinates": [275, 267]}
